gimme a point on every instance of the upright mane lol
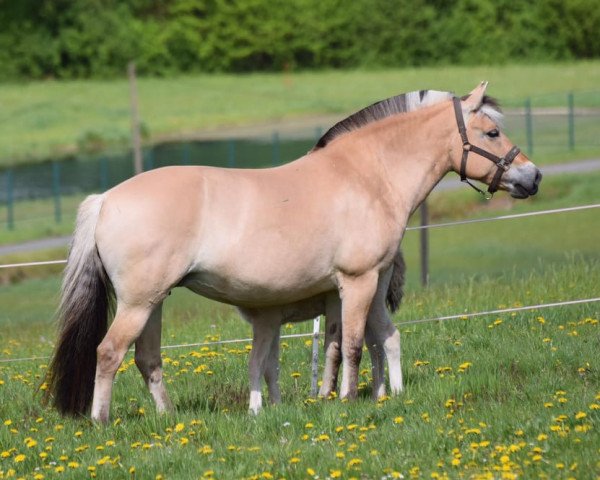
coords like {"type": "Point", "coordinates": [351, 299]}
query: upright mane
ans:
{"type": "Point", "coordinates": [405, 102]}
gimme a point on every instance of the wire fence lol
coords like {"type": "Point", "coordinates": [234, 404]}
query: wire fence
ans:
{"type": "Point", "coordinates": [462, 316]}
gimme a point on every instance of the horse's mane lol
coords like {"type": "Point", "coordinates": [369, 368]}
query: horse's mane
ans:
{"type": "Point", "coordinates": [403, 103]}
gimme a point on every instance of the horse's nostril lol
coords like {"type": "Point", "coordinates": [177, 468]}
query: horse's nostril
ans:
{"type": "Point", "coordinates": [538, 178]}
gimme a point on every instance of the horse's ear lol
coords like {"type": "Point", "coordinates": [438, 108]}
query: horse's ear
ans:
{"type": "Point", "coordinates": [474, 100]}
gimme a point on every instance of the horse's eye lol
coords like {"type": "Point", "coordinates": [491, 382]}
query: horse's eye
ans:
{"type": "Point", "coordinates": [493, 133]}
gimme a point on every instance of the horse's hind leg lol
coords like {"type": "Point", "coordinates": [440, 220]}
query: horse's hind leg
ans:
{"type": "Point", "coordinates": [149, 361]}
{"type": "Point", "coordinates": [127, 326]}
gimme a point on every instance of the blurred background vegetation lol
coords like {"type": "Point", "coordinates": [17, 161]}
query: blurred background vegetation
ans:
{"type": "Point", "coordinates": [66, 39]}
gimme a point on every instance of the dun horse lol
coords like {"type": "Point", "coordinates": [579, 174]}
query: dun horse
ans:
{"type": "Point", "coordinates": [330, 221]}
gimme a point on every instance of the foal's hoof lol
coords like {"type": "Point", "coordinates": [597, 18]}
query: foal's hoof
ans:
{"type": "Point", "coordinates": [254, 410]}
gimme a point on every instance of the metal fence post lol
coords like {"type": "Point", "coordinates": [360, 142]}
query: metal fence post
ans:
{"type": "Point", "coordinates": [103, 174]}
{"type": "Point", "coordinates": [149, 159]}
{"type": "Point", "coordinates": [571, 120]}
{"type": "Point", "coordinates": [315, 357]}
{"type": "Point", "coordinates": [10, 200]}
{"type": "Point", "coordinates": [276, 160]}
{"type": "Point", "coordinates": [529, 126]}
{"type": "Point", "coordinates": [186, 154]}
{"type": "Point", "coordinates": [231, 153]}
{"type": "Point", "coordinates": [56, 191]}
{"type": "Point", "coordinates": [424, 236]}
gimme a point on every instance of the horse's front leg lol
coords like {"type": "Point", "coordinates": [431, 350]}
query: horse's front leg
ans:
{"type": "Point", "coordinates": [357, 294]}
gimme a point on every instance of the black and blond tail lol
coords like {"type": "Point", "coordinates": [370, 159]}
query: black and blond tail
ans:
{"type": "Point", "coordinates": [395, 288]}
{"type": "Point", "coordinates": [82, 317]}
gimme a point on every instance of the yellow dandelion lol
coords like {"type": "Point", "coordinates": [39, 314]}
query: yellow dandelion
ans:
{"type": "Point", "coordinates": [20, 458]}
{"type": "Point", "coordinates": [294, 460]}
{"type": "Point", "coordinates": [455, 462]}
{"type": "Point", "coordinates": [399, 420]}
{"type": "Point", "coordinates": [309, 425]}
{"type": "Point", "coordinates": [311, 472]}
{"type": "Point", "coordinates": [541, 437]}
{"type": "Point", "coordinates": [131, 470]}
{"type": "Point", "coordinates": [208, 474]}
{"type": "Point", "coordinates": [335, 473]}
{"type": "Point", "coordinates": [73, 465]}
{"type": "Point", "coordinates": [295, 374]}
{"type": "Point", "coordinates": [179, 427]}
{"type": "Point", "coordinates": [59, 469]}
{"type": "Point", "coordinates": [580, 415]}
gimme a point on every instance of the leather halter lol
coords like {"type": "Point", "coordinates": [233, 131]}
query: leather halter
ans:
{"type": "Point", "coordinates": [503, 163]}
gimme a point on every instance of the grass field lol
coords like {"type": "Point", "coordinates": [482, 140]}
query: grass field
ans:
{"type": "Point", "coordinates": [509, 396]}
{"type": "Point", "coordinates": [44, 119]}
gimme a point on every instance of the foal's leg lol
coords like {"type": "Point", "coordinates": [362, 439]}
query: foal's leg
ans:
{"type": "Point", "coordinates": [265, 326]}
{"type": "Point", "coordinates": [127, 326]}
{"type": "Point", "coordinates": [149, 361]}
{"type": "Point", "coordinates": [357, 295]}
{"type": "Point", "coordinates": [333, 337]}
{"type": "Point", "coordinates": [387, 338]}
{"type": "Point", "coordinates": [377, 361]}
{"type": "Point", "coordinates": [272, 371]}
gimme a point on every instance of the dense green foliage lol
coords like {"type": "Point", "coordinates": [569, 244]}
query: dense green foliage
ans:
{"type": "Point", "coordinates": [96, 38]}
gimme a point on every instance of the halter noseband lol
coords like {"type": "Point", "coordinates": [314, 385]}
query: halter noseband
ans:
{"type": "Point", "coordinates": [503, 163]}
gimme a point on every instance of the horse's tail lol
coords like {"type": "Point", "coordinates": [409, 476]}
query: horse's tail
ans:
{"type": "Point", "coordinates": [86, 299]}
{"type": "Point", "coordinates": [395, 292]}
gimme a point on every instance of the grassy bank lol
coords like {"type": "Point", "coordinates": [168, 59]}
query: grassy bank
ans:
{"type": "Point", "coordinates": [45, 119]}
{"type": "Point", "coordinates": [509, 396]}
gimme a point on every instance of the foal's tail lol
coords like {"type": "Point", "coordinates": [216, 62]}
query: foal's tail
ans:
{"type": "Point", "coordinates": [86, 299]}
{"type": "Point", "coordinates": [395, 292]}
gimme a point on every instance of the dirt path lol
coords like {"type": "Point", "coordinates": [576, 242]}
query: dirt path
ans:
{"type": "Point", "coordinates": [450, 183]}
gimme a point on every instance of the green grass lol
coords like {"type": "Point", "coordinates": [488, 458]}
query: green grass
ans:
{"type": "Point", "coordinates": [46, 119]}
{"type": "Point", "coordinates": [516, 393]}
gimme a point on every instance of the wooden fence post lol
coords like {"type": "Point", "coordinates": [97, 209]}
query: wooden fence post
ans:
{"type": "Point", "coordinates": [135, 121]}
{"type": "Point", "coordinates": [10, 200]}
{"type": "Point", "coordinates": [571, 102]}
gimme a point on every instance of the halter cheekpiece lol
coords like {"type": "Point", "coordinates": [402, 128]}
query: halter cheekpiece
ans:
{"type": "Point", "coordinates": [503, 163]}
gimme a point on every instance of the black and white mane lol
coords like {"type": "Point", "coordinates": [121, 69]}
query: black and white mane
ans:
{"type": "Point", "coordinates": [405, 102]}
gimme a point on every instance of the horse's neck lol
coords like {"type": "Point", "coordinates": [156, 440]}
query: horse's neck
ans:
{"type": "Point", "coordinates": [413, 151]}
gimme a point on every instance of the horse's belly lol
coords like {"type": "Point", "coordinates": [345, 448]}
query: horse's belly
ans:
{"type": "Point", "coordinates": [253, 292]}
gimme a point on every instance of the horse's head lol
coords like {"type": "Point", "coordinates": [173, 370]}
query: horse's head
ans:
{"type": "Point", "coordinates": [484, 153]}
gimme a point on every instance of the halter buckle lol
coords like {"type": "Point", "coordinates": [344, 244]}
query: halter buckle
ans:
{"type": "Point", "coordinates": [466, 147]}
{"type": "Point", "coordinates": [503, 164]}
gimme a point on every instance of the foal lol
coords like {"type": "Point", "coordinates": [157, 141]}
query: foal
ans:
{"type": "Point", "coordinates": [381, 336]}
